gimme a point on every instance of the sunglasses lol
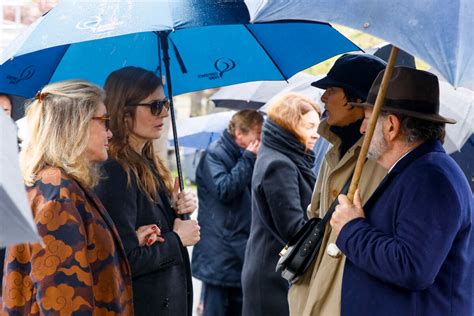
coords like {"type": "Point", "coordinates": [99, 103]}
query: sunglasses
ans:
{"type": "Point", "coordinates": [105, 120]}
{"type": "Point", "coordinates": [156, 107]}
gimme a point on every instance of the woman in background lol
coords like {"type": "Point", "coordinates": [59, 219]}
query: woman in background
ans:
{"type": "Point", "coordinates": [281, 190]}
{"type": "Point", "coordinates": [138, 190]}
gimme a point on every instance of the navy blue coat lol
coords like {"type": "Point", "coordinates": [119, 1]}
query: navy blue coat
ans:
{"type": "Point", "coordinates": [223, 177]}
{"type": "Point", "coordinates": [413, 254]}
{"type": "Point", "coordinates": [280, 196]}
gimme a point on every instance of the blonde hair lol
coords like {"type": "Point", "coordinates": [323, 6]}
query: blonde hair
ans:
{"type": "Point", "coordinates": [287, 110]}
{"type": "Point", "coordinates": [58, 121]}
{"type": "Point", "coordinates": [125, 87]}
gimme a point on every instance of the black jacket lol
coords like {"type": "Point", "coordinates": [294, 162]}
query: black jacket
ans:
{"type": "Point", "coordinates": [223, 177]}
{"type": "Point", "coordinates": [161, 273]}
{"type": "Point", "coordinates": [280, 195]}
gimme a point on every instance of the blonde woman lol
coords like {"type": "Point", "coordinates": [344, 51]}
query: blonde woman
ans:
{"type": "Point", "coordinates": [281, 190]}
{"type": "Point", "coordinates": [80, 267]}
{"type": "Point", "coordinates": [138, 190]}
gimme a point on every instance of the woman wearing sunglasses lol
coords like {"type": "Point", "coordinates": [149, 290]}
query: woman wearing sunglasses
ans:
{"type": "Point", "coordinates": [138, 190]}
{"type": "Point", "coordinates": [80, 267]}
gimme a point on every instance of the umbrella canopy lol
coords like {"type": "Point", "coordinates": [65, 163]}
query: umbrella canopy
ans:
{"type": "Point", "coordinates": [253, 95]}
{"type": "Point", "coordinates": [16, 219]}
{"type": "Point", "coordinates": [383, 50]}
{"type": "Point", "coordinates": [458, 104]}
{"type": "Point", "coordinates": [208, 43]}
{"type": "Point", "coordinates": [465, 161]}
{"type": "Point", "coordinates": [303, 87]}
{"type": "Point", "coordinates": [200, 131]}
{"type": "Point", "coordinates": [437, 31]}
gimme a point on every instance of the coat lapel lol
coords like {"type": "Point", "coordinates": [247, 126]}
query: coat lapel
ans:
{"type": "Point", "coordinates": [164, 202]}
{"type": "Point", "coordinates": [92, 198]}
{"type": "Point", "coordinates": [416, 153]}
{"type": "Point", "coordinates": [165, 205]}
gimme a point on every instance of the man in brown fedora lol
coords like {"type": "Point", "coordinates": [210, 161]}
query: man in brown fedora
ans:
{"type": "Point", "coordinates": [410, 248]}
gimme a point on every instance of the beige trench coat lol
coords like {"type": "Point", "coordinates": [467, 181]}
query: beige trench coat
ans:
{"type": "Point", "coordinates": [318, 292]}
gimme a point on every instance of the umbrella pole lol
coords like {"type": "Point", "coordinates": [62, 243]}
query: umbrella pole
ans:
{"type": "Point", "coordinates": [368, 134]}
{"type": "Point", "coordinates": [372, 123]}
{"type": "Point", "coordinates": [166, 59]}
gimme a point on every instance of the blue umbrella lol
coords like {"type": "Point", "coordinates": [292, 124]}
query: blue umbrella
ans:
{"type": "Point", "coordinates": [193, 45]}
{"type": "Point", "coordinates": [437, 31]}
{"type": "Point", "coordinates": [208, 43]}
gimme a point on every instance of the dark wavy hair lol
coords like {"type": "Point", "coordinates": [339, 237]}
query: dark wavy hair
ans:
{"type": "Point", "coordinates": [130, 85]}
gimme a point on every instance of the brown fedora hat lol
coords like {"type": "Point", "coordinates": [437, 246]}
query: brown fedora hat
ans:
{"type": "Point", "coordinates": [410, 92]}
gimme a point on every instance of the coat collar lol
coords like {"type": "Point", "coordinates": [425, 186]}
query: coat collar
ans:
{"type": "Point", "coordinates": [402, 164]}
{"type": "Point", "coordinates": [332, 156]}
{"type": "Point", "coordinates": [229, 143]}
{"type": "Point", "coordinates": [426, 147]}
{"type": "Point", "coordinates": [325, 131]}
{"type": "Point", "coordinates": [105, 216]}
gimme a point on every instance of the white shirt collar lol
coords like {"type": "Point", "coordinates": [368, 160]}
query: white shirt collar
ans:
{"type": "Point", "coordinates": [393, 166]}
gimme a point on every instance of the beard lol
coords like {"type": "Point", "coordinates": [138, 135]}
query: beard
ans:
{"type": "Point", "coordinates": [378, 145]}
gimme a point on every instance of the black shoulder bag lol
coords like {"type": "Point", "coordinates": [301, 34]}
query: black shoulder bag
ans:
{"type": "Point", "coordinates": [300, 251]}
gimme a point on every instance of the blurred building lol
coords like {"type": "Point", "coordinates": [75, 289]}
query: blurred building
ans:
{"type": "Point", "coordinates": [15, 15]}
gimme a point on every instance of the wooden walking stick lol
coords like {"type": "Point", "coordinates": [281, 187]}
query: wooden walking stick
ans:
{"type": "Point", "coordinates": [334, 251]}
{"type": "Point", "coordinates": [372, 123]}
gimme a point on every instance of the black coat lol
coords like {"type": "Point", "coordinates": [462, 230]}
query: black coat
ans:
{"type": "Point", "coordinates": [280, 196]}
{"type": "Point", "coordinates": [223, 177]}
{"type": "Point", "coordinates": [161, 273]}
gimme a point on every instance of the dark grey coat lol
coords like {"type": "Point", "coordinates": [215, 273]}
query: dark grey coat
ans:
{"type": "Point", "coordinates": [161, 273]}
{"type": "Point", "coordinates": [280, 196]}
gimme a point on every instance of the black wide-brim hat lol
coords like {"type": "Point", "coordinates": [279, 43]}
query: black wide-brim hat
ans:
{"type": "Point", "coordinates": [410, 92]}
{"type": "Point", "coordinates": [354, 73]}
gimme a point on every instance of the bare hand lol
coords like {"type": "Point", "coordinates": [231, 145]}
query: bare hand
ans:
{"type": "Point", "coordinates": [148, 235]}
{"type": "Point", "coordinates": [254, 146]}
{"type": "Point", "coordinates": [188, 231]}
{"type": "Point", "coordinates": [346, 211]}
{"type": "Point", "coordinates": [183, 202]}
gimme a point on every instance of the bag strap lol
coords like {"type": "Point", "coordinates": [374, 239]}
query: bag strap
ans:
{"type": "Point", "coordinates": [334, 203]}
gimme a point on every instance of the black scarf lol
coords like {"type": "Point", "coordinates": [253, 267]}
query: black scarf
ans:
{"type": "Point", "coordinates": [348, 134]}
{"type": "Point", "coordinates": [279, 139]}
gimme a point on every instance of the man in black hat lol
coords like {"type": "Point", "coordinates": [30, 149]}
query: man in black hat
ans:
{"type": "Point", "coordinates": [319, 290]}
{"type": "Point", "coordinates": [410, 249]}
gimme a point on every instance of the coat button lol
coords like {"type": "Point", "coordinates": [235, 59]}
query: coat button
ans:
{"type": "Point", "coordinates": [334, 193]}
{"type": "Point", "coordinates": [166, 303]}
